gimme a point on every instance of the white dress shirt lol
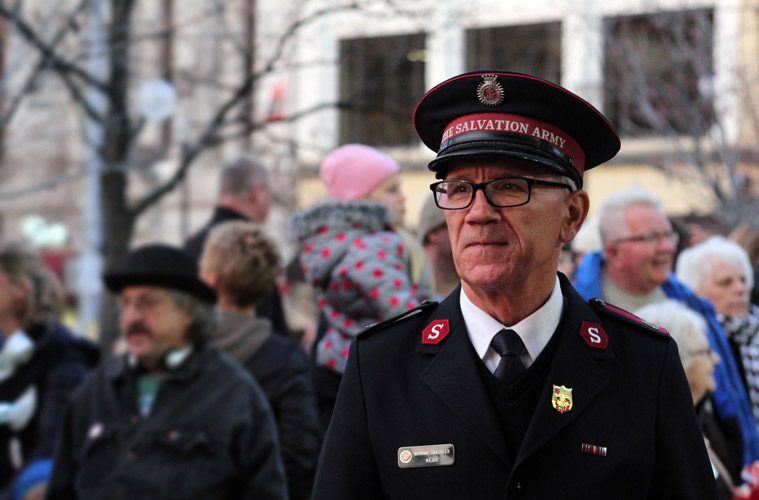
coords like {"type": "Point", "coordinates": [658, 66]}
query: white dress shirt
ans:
{"type": "Point", "coordinates": [535, 330]}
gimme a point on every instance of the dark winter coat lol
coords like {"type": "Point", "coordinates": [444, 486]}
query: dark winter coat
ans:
{"type": "Point", "coordinates": [629, 432]}
{"type": "Point", "coordinates": [210, 435]}
{"type": "Point", "coordinates": [58, 365]}
{"type": "Point", "coordinates": [359, 269]}
{"type": "Point", "coordinates": [284, 372]}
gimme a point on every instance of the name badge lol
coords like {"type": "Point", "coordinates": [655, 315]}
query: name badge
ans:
{"type": "Point", "coordinates": [431, 455]}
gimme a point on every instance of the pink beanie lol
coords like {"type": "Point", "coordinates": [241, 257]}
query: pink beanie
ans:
{"type": "Point", "coordinates": [350, 172]}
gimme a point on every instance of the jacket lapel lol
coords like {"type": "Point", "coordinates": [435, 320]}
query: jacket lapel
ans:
{"type": "Point", "coordinates": [455, 379]}
{"type": "Point", "coordinates": [574, 366]}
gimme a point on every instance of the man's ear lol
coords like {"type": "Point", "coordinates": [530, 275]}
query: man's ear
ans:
{"type": "Point", "coordinates": [211, 279]}
{"type": "Point", "coordinates": [610, 252]}
{"type": "Point", "coordinates": [576, 210]}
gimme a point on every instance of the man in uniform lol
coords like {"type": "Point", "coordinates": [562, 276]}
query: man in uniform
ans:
{"type": "Point", "coordinates": [172, 418]}
{"type": "Point", "coordinates": [513, 386]}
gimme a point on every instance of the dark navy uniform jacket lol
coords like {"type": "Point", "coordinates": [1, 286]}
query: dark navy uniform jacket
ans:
{"type": "Point", "coordinates": [631, 431]}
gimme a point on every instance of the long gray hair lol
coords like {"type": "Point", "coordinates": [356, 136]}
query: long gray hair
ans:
{"type": "Point", "coordinates": [204, 319]}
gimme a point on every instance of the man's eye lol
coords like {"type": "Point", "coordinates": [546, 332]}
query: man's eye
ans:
{"type": "Point", "coordinates": [504, 187]}
{"type": "Point", "coordinates": [457, 189]}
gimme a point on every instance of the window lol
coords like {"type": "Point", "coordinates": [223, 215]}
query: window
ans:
{"type": "Point", "coordinates": [659, 73]}
{"type": "Point", "coordinates": [381, 80]}
{"type": "Point", "coordinates": [534, 49]}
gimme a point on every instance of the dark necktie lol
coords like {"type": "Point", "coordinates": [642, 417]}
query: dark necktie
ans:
{"type": "Point", "coordinates": [510, 347]}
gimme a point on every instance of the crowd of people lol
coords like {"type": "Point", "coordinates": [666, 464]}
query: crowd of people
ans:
{"type": "Point", "coordinates": [482, 339]}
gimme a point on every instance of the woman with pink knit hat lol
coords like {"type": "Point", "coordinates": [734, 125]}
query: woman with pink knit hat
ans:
{"type": "Point", "coordinates": [352, 256]}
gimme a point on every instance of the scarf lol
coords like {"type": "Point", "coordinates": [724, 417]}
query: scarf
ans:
{"type": "Point", "coordinates": [743, 333]}
{"type": "Point", "coordinates": [239, 335]}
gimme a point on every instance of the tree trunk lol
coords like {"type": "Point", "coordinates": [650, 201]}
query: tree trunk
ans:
{"type": "Point", "coordinates": [118, 218]}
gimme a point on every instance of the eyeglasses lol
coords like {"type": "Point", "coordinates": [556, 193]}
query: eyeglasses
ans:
{"type": "Point", "coordinates": [142, 303]}
{"type": "Point", "coordinates": [705, 351]}
{"type": "Point", "coordinates": [670, 236]}
{"type": "Point", "coordinates": [503, 192]}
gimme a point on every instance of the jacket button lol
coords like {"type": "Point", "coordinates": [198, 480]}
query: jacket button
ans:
{"type": "Point", "coordinates": [516, 489]}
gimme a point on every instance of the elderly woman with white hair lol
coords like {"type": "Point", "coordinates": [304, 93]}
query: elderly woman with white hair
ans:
{"type": "Point", "coordinates": [720, 271]}
{"type": "Point", "coordinates": [723, 438]}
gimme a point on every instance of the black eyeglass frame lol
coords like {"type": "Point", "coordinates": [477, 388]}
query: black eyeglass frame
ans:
{"type": "Point", "coordinates": [483, 185]}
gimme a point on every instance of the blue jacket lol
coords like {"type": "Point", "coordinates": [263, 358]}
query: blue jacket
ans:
{"type": "Point", "coordinates": [730, 398]}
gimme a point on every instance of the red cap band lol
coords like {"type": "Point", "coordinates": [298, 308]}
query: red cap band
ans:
{"type": "Point", "coordinates": [516, 124]}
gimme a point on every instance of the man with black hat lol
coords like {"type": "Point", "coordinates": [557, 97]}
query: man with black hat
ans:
{"type": "Point", "coordinates": [513, 386]}
{"type": "Point", "coordinates": [171, 418]}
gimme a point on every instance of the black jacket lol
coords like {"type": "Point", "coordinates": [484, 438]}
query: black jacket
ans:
{"type": "Point", "coordinates": [284, 372]}
{"type": "Point", "coordinates": [631, 431]}
{"type": "Point", "coordinates": [210, 435]}
{"type": "Point", "coordinates": [58, 365]}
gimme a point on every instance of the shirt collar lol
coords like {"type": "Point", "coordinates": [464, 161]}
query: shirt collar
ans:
{"type": "Point", "coordinates": [172, 359]}
{"type": "Point", "coordinates": [535, 330]}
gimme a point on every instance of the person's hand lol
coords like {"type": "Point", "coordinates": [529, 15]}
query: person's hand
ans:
{"type": "Point", "coordinates": [37, 492]}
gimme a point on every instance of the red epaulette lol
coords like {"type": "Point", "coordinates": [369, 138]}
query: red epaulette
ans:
{"type": "Point", "coordinates": [624, 315]}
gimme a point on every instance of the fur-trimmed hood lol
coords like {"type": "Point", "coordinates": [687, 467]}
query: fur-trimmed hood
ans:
{"type": "Point", "coordinates": [371, 216]}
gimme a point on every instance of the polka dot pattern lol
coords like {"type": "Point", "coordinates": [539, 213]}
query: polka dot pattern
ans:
{"type": "Point", "coordinates": [361, 277]}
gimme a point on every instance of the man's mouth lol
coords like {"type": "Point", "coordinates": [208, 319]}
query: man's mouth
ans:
{"type": "Point", "coordinates": [486, 243]}
{"type": "Point", "coordinates": [138, 331]}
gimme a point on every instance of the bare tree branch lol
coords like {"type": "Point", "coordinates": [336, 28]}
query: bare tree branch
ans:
{"type": "Point", "coordinates": [190, 154]}
{"type": "Point", "coordinates": [47, 50]}
{"type": "Point", "coordinates": [210, 136]}
{"type": "Point", "coordinates": [43, 65]}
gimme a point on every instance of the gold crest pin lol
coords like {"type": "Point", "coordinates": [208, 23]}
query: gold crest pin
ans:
{"type": "Point", "coordinates": [561, 398]}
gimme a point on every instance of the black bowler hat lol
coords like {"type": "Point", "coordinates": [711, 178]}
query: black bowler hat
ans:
{"type": "Point", "coordinates": [159, 265]}
{"type": "Point", "coordinates": [499, 113]}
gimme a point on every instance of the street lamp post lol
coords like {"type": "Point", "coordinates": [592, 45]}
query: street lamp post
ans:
{"type": "Point", "coordinates": [90, 261]}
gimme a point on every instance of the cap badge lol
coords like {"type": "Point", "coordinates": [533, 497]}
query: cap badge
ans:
{"type": "Point", "coordinates": [490, 92]}
{"type": "Point", "coordinates": [561, 398]}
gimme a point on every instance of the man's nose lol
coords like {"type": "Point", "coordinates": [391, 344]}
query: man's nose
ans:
{"type": "Point", "coordinates": [481, 207]}
{"type": "Point", "coordinates": [666, 243]}
{"type": "Point", "coordinates": [129, 312]}
{"type": "Point", "coordinates": [739, 285]}
{"type": "Point", "coordinates": [715, 358]}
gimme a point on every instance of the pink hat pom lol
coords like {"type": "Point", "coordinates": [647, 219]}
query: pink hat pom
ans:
{"type": "Point", "coordinates": [350, 172]}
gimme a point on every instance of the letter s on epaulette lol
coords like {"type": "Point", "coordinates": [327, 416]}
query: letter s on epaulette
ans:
{"type": "Point", "coordinates": [426, 306]}
{"type": "Point", "coordinates": [626, 316]}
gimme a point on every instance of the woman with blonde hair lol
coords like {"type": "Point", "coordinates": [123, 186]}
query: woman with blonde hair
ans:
{"type": "Point", "coordinates": [242, 264]}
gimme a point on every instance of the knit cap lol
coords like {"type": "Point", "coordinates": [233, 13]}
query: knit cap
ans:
{"type": "Point", "coordinates": [350, 172]}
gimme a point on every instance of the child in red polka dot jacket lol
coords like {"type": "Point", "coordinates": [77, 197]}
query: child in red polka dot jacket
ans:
{"type": "Point", "coordinates": [354, 259]}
